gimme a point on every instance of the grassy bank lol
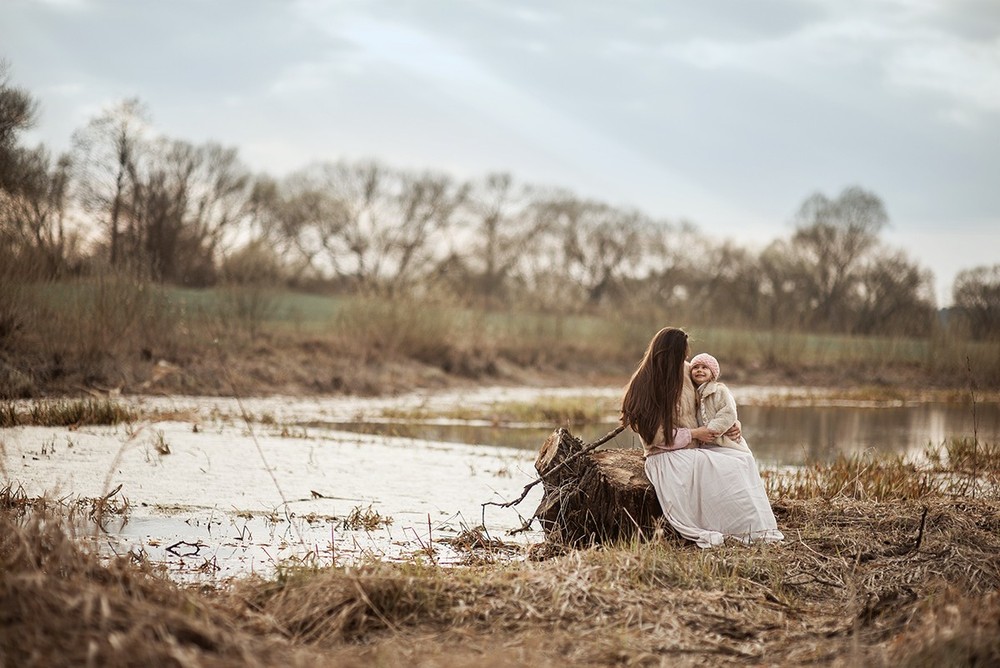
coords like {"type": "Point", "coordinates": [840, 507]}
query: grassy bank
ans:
{"type": "Point", "coordinates": [114, 334]}
{"type": "Point", "coordinates": [885, 563]}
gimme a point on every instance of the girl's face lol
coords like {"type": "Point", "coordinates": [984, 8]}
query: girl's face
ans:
{"type": "Point", "coordinates": [700, 373]}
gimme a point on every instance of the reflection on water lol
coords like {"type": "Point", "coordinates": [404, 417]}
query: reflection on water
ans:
{"type": "Point", "coordinates": [781, 435]}
{"type": "Point", "coordinates": [793, 435]}
{"type": "Point", "coordinates": [526, 438]}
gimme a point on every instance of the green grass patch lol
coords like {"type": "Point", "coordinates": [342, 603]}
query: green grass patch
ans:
{"type": "Point", "coordinates": [285, 309]}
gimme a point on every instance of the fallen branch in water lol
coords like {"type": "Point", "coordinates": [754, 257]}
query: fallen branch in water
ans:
{"type": "Point", "coordinates": [173, 549]}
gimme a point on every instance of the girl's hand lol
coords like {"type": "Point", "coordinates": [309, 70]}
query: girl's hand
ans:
{"type": "Point", "coordinates": [702, 434]}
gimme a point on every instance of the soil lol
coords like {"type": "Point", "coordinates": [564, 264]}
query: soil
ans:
{"type": "Point", "coordinates": [306, 367]}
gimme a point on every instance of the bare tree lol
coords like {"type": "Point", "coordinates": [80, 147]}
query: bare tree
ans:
{"type": "Point", "coordinates": [425, 208]}
{"type": "Point", "coordinates": [183, 200]}
{"type": "Point", "coordinates": [305, 221]}
{"type": "Point", "coordinates": [670, 254]}
{"type": "Point", "coordinates": [600, 244]}
{"type": "Point", "coordinates": [894, 296]}
{"type": "Point", "coordinates": [832, 238]}
{"type": "Point", "coordinates": [976, 294]}
{"type": "Point", "coordinates": [106, 152]}
{"type": "Point", "coordinates": [542, 278]}
{"type": "Point", "coordinates": [504, 224]}
{"type": "Point", "coordinates": [284, 216]}
{"type": "Point", "coordinates": [728, 286]}
{"type": "Point", "coordinates": [17, 113]}
{"type": "Point", "coordinates": [33, 211]}
{"type": "Point", "coordinates": [155, 210]}
{"type": "Point", "coordinates": [784, 288]}
{"type": "Point", "coordinates": [32, 191]}
{"type": "Point", "coordinates": [378, 228]}
{"type": "Point", "coordinates": [219, 196]}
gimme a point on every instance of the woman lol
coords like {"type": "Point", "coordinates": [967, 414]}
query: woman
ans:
{"type": "Point", "coordinates": [707, 492]}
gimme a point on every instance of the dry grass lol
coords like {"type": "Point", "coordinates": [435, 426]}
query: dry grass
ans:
{"type": "Point", "coordinates": [367, 519]}
{"type": "Point", "coordinates": [960, 466]}
{"type": "Point", "coordinates": [871, 573]}
{"type": "Point", "coordinates": [847, 583]}
{"type": "Point", "coordinates": [60, 605]}
{"type": "Point", "coordinates": [65, 413]}
{"type": "Point", "coordinates": [544, 411]}
{"type": "Point", "coordinates": [114, 332]}
{"type": "Point", "coordinates": [16, 504]}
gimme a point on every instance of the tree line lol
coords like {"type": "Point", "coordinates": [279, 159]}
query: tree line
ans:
{"type": "Point", "coordinates": [126, 199]}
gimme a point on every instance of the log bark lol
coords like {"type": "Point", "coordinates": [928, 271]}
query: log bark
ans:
{"type": "Point", "coordinates": [594, 497]}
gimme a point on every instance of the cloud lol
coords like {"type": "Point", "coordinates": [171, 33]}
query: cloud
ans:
{"type": "Point", "coordinates": [74, 5]}
{"type": "Point", "coordinates": [67, 89]}
{"type": "Point", "coordinates": [411, 48]}
{"type": "Point", "coordinates": [313, 76]}
{"type": "Point", "coordinates": [905, 52]}
{"type": "Point", "coordinates": [532, 15]}
{"type": "Point", "coordinates": [816, 46]}
{"type": "Point", "coordinates": [967, 73]}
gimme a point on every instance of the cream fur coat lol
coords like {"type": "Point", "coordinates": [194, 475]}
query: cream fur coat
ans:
{"type": "Point", "coordinates": [717, 411]}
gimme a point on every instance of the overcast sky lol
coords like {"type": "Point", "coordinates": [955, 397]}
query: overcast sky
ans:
{"type": "Point", "coordinates": [727, 113]}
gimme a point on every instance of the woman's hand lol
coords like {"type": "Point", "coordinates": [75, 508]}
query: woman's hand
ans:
{"type": "Point", "coordinates": [735, 431]}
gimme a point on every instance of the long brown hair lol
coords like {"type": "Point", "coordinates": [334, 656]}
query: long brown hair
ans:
{"type": "Point", "coordinates": [650, 400]}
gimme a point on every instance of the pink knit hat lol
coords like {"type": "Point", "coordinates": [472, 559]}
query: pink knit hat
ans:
{"type": "Point", "coordinates": [709, 361]}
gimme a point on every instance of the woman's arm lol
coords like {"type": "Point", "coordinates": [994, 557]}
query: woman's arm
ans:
{"type": "Point", "coordinates": [689, 438]}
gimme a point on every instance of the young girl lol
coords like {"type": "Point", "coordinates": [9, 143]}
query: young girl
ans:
{"type": "Point", "coordinates": [716, 405]}
{"type": "Point", "coordinates": [707, 494]}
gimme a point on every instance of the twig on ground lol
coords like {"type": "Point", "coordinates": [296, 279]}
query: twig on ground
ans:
{"type": "Point", "coordinates": [906, 549]}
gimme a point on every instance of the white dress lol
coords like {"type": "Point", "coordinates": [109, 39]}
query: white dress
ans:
{"type": "Point", "coordinates": [710, 493]}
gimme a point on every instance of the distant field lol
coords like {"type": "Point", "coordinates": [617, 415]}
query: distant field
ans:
{"type": "Point", "coordinates": [106, 332]}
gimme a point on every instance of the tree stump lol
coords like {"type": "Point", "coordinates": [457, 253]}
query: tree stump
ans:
{"type": "Point", "coordinates": [601, 496]}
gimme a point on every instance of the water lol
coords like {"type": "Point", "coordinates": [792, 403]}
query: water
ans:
{"type": "Point", "coordinates": [228, 500]}
{"type": "Point", "coordinates": [778, 435]}
{"type": "Point", "coordinates": [796, 434]}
